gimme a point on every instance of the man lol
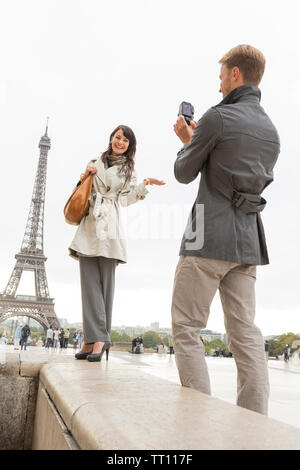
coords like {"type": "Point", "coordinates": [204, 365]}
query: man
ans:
{"type": "Point", "coordinates": [235, 147]}
{"type": "Point", "coordinates": [49, 337]}
{"type": "Point", "coordinates": [286, 353]}
{"type": "Point", "coordinates": [25, 333]}
{"type": "Point", "coordinates": [133, 344]}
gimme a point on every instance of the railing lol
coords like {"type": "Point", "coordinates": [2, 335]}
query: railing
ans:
{"type": "Point", "coordinates": [29, 298]}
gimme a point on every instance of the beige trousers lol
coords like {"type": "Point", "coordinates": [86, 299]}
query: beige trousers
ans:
{"type": "Point", "coordinates": [196, 282]}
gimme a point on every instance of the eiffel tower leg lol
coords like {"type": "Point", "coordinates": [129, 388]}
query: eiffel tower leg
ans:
{"type": "Point", "coordinates": [41, 283]}
{"type": "Point", "coordinates": [14, 280]}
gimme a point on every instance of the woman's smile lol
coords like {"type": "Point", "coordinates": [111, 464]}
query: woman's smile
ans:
{"type": "Point", "coordinates": [119, 143]}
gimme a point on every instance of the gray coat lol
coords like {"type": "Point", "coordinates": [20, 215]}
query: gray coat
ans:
{"type": "Point", "coordinates": [235, 147]}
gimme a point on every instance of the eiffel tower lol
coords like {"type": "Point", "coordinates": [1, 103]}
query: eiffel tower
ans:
{"type": "Point", "coordinates": [31, 257]}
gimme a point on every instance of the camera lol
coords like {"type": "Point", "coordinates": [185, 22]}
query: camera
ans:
{"type": "Point", "coordinates": [187, 111]}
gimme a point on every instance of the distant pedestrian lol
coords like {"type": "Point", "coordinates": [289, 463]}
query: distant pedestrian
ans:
{"type": "Point", "coordinates": [17, 336]}
{"type": "Point", "coordinates": [286, 353]}
{"type": "Point", "coordinates": [3, 340]}
{"type": "Point", "coordinates": [75, 340]}
{"type": "Point", "coordinates": [66, 337]}
{"type": "Point", "coordinates": [267, 349]}
{"type": "Point", "coordinates": [25, 333]}
{"type": "Point", "coordinates": [49, 337]}
{"type": "Point", "coordinates": [133, 345]}
{"type": "Point", "coordinates": [61, 337]}
{"type": "Point", "coordinates": [80, 339]}
{"type": "Point", "coordinates": [171, 346]}
{"type": "Point", "coordinates": [55, 337]}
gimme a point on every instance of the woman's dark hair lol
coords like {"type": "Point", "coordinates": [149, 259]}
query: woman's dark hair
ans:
{"type": "Point", "coordinates": [126, 168]}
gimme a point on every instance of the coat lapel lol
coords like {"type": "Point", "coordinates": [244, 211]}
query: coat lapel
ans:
{"type": "Point", "coordinates": [101, 171]}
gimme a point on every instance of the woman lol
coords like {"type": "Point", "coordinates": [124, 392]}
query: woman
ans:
{"type": "Point", "coordinates": [99, 243]}
{"type": "Point", "coordinates": [17, 336]}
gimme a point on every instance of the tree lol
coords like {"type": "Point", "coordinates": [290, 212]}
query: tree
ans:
{"type": "Point", "coordinates": [151, 339]}
{"type": "Point", "coordinates": [275, 347]}
{"type": "Point", "coordinates": [115, 336]}
{"type": "Point", "coordinates": [288, 338]}
{"type": "Point", "coordinates": [217, 343]}
{"type": "Point", "coordinates": [125, 338]}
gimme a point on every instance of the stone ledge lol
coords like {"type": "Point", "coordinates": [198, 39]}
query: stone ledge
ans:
{"type": "Point", "coordinates": [49, 426]}
{"type": "Point", "coordinates": [110, 406]}
{"type": "Point", "coordinates": [10, 364]}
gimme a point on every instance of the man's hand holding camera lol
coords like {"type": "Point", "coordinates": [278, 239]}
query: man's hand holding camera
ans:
{"type": "Point", "coordinates": [183, 130]}
{"type": "Point", "coordinates": [185, 124]}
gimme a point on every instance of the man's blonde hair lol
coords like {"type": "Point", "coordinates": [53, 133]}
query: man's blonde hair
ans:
{"type": "Point", "coordinates": [249, 60]}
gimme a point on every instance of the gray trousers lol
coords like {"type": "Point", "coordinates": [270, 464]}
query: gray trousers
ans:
{"type": "Point", "coordinates": [97, 276]}
{"type": "Point", "coordinates": [196, 282]}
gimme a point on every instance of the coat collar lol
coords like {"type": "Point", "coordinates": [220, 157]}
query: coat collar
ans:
{"type": "Point", "coordinates": [242, 93]}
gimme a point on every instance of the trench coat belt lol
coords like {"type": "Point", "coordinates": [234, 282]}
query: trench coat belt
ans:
{"type": "Point", "coordinates": [101, 202]}
{"type": "Point", "coordinates": [112, 196]}
{"type": "Point", "coordinates": [248, 202]}
{"type": "Point", "coordinates": [105, 215]}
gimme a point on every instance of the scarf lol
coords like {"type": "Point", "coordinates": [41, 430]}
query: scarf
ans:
{"type": "Point", "coordinates": [120, 160]}
{"type": "Point", "coordinates": [116, 159]}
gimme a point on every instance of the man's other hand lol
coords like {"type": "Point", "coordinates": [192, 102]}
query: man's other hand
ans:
{"type": "Point", "coordinates": [184, 132]}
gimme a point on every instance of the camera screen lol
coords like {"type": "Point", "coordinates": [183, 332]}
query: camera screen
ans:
{"type": "Point", "coordinates": [186, 109]}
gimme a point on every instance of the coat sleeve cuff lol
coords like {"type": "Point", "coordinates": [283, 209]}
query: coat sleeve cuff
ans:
{"type": "Point", "coordinates": [142, 191]}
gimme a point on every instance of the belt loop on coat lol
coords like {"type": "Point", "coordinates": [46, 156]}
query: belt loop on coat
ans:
{"type": "Point", "coordinates": [248, 202]}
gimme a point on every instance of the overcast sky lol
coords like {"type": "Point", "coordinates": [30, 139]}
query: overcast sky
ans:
{"type": "Point", "coordinates": [91, 65]}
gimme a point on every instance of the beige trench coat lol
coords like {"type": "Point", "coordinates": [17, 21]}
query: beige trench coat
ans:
{"type": "Point", "coordinates": [100, 232]}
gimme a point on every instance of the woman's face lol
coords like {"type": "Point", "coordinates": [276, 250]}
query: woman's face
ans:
{"type": "Point", "coordinates": [119, 143]}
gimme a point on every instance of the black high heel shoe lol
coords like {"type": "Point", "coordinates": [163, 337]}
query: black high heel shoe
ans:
{"type": "Point", "coordinates": [97, 357]}
{"type": "Point", "coordinates": [83, 355]}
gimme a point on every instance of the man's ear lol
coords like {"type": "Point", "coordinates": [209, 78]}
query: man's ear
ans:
{"type": "Point", "coordinates": [236, 73]}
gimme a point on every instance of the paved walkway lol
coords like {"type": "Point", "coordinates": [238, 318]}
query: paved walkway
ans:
{"type": "Point", "coordinates": [284, 378]}
{"type": "Point", "coordinates": [284, 404]}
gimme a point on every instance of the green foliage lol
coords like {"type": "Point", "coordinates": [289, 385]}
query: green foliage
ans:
{"type": "Point", "coordinates": [151, 339]}
{"type": "Point", "coordinates": [217, 343]}
{"type": "Point", "coordinates": [125, 338]}
{"type": "Point", "coordinates": [36, 335]}
{"type": "Point", "coordinates": [36, 329]}
{"type": "Point", "coordinates": [211, 346]}
{"type": "Point", "coordinates": [115, 336]}
{"type": "Point", "coordinates": [276, 345]}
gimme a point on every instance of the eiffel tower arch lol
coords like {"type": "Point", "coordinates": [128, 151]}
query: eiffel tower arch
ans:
{"type": "Point", "coordinates": [31, 257]}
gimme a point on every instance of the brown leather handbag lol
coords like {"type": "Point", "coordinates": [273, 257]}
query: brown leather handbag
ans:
{"type": "Point", "coordinates": [78, 203]}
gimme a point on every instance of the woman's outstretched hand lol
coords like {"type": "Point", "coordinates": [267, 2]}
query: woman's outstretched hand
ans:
{"type": "Point", "coordinates": [153, 181]}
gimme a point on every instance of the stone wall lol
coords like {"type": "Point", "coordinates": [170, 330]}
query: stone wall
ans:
{"type": "Point", "coordinates": [18, 401]}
